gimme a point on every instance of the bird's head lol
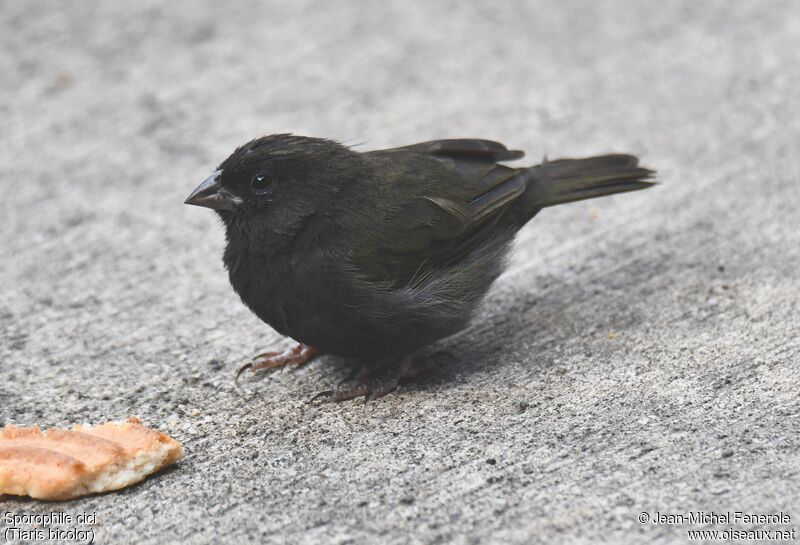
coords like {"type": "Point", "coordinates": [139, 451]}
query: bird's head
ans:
{"type": "Point", "coordinates": [275, 182]}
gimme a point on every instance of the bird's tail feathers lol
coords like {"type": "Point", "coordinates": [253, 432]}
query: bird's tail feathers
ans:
{"type": "Point", "coordinates": [568, 180]}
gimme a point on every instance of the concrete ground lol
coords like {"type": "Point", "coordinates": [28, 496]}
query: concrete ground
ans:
{"type": "Point", "coordinates": [641, 354]}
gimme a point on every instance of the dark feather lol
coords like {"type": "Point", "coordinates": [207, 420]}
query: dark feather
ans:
{"type": "Point", "coordinates": [379, 253]}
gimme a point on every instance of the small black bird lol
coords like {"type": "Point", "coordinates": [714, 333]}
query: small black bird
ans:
{"type": "Point", "coordinates": [375, 255]}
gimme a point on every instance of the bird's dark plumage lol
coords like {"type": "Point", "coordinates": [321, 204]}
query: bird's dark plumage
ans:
{"type": "Point", "coordinates": [374, 255]}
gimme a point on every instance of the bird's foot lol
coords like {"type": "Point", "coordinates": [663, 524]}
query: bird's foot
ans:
{"type": "Point", "coordinates": [375, 382]}
{"type": "Point", "coordinates": [293, 357]}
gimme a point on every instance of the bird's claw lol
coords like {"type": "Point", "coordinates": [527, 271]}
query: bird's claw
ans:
{"type": "Point", "coordinates": [369, 383]}
{"type": "Point", "coordinates": [293, 357]}
{"type": "Point", "coordinates": [241, 370]}
{"type": "Point", "coordinates": [323, 393]}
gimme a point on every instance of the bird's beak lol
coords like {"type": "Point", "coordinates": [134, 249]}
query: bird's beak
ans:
{"type": "Point", "coordinates": [212, 195]}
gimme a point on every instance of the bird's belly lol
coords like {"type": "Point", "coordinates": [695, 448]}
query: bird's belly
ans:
{"type": "Point", "coordinates": [333, 317]}
{"type": "Point", "coordinates": [298, 305]}
{"type": "Point", "coordinates": [329, 328]}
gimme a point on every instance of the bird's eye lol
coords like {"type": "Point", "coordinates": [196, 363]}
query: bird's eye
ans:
{"type": "Point", "coordinates": [262, 184]}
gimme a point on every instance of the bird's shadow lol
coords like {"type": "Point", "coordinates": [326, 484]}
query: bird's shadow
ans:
{"type": "Point", "coordinates": [485, 343]}
{"type": "Point", "coordinates": [524, 326]}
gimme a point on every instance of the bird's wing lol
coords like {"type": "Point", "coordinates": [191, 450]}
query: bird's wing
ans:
{"type": "Point", "coordinates": [445, 198]}
{"type": "Point", "coordinates": [465, 148]}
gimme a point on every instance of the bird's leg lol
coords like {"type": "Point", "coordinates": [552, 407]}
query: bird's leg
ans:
{"type": "Point", "coordinates": [374, 382]}
{"type": "Point", "coordinates": [293, 356]}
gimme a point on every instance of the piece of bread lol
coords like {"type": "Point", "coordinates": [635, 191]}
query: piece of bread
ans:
{"type": "Point", "coordinates": [62, 464]}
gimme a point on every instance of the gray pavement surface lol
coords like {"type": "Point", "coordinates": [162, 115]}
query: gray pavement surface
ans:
{"type": "Point", "coordinates": [640, 354]}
